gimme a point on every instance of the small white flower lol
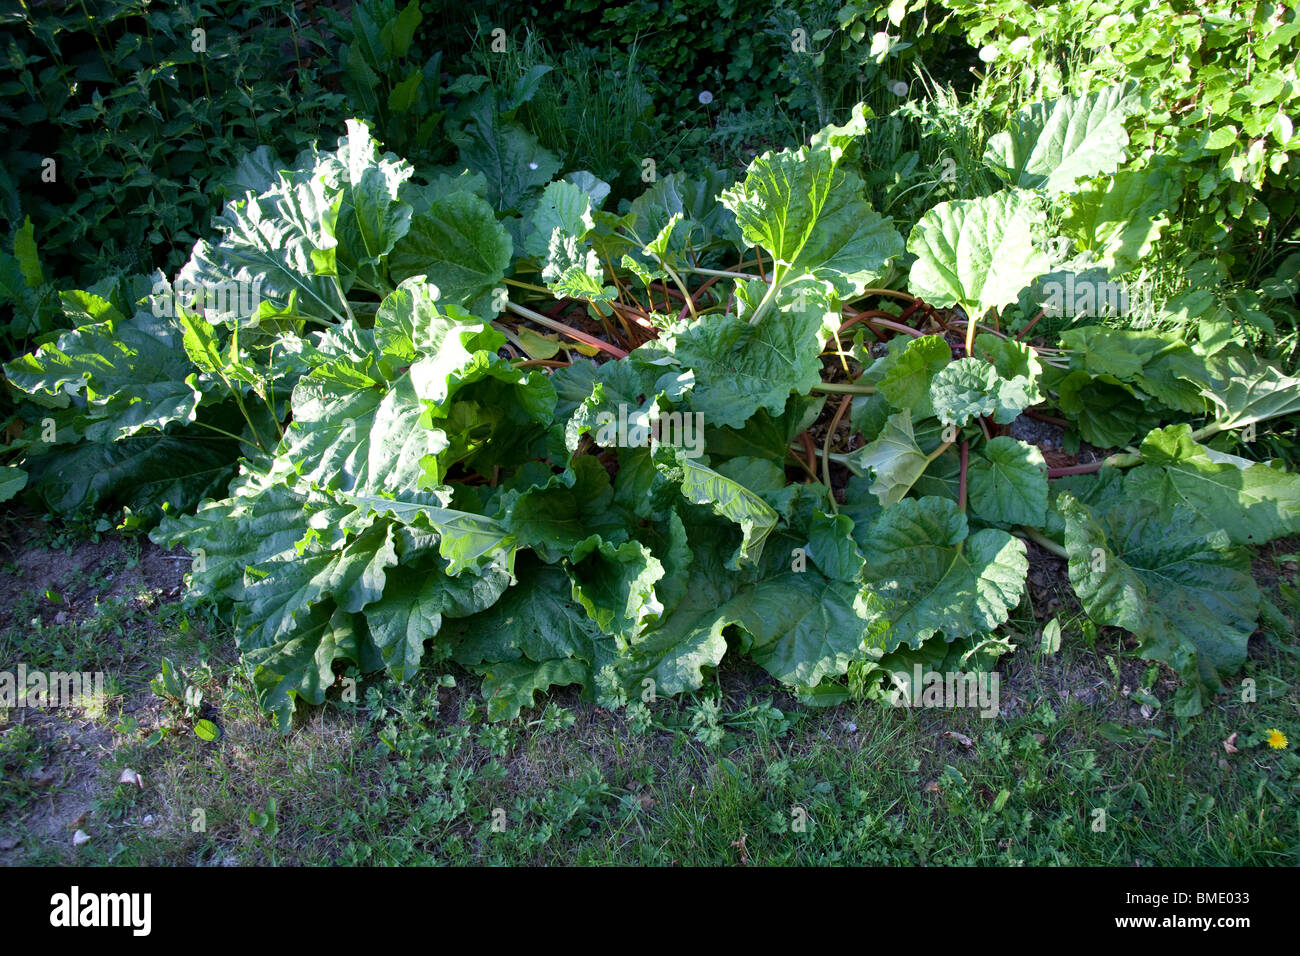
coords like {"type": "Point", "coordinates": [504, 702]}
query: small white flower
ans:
{"type": "Point", "coordinates": [706, 97]}
{"type": "Point", "coordinates": [898, 88]}
{"type": "Point", "coordinates": [532, 165]}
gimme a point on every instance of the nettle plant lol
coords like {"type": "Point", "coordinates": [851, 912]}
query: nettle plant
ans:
{"type": "Point", "coordinates": [416, 488]}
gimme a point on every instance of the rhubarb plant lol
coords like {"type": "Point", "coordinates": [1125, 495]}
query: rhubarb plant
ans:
{"type": "Point", "coordinates": [581, 446]}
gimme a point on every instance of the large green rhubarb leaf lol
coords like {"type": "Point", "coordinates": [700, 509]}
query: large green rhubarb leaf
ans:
{"type": "Point", "coordinates": [533, 638]}
{"type": "Point", "coordinates": [1248, 389]}
{"type": "Point", "coordinates": [414, 603]}
{"type": "Point", "coordinates": [977, 253]}
{"type": "Point", "coordinates": [894, 460]}
{"type": "Point", "coordinates": [932, 577]}
{"type": "Point", "coordinates": [362, 440]}
{"type": "Point", "coordinates": [1008, 483]}
{"type": "Point", "coordinates": [133, 373]}
{"type": "Point", "coordinates": [726, 497]}
{"type": "Point", "coordinates": [904, 377]}
{"type": "Point", "coordinates": [1172, 580]}
{"type": "Point", "coordinates": [1116, 217]}
{"type": "Point", "coordinates": [1253, 503]}
{"type": "Point", "coordinates": [12, 480]}
{"type": "Point", "coordinates": [802, 625]}
{"type": "Point", "coordinates": [469, 542]}
{"type": "Point", "coordinates": [514, 164]}
{"type": "Point", "coordinates": [301, 665]}
{"type": "Point", "coordinates": [371, 217]}
{"type": "Point", "coordinates": [462, 249]}
{"type": "Point", "coordinates": [564, 208]}
{"type": "Point", "coordinates": [280, 244]}
{"type": "Point", "coordinates": [1053, 144]}
{"type": "Point", "coordinates": [688, 639]}
{"type": "Point", "coordinates": [740, 368]}
{"type": "Point", "coordinates": [261, 518]}
{"type": "Point", "coordinates": [571, 508]}
{"type": "Point", "coordinates": [615, 583]}
{"type": "Point", "coordinates": [808, 213]}
{"type": "Point", "coordinates": [145, 473]}
{"type": "Point", "coordinates": [1160, 364]}
{"type": "Point", "coordinates": [280, 590]}
{"type": "Point", "coordinates": [1105, 411]}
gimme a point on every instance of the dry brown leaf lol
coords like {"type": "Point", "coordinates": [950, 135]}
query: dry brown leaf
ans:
{"type": "Point", "coordinates": [43, 778]}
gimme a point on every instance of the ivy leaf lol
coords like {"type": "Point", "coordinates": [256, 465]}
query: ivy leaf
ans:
{"type": "Point", "coordinates": [1008, 483]}
{"type": "Point", "coordinates": [932, 577]}
{"type": "Point", "coordinates": [1053, 144]}
{"type": "Point", "coordinates": [977, 253]}
{"type": "Point", "coordinates": [1171, 580]}
{"type": "Point", "coordinates": [1253, 503]}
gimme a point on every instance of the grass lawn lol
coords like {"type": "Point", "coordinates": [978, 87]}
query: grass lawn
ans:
{"type": "Point", "coordinates": [1081, 766]}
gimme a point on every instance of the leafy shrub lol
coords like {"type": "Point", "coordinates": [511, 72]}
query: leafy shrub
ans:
{"type": "Point", "coordinates": [811, 59]}
{"type": "Point", "coordinates": [428, 487]}
{"type": "Point", "coordinates": [1217, 135]}
{"type": "Point", "coordinates": [379, 457]}
{"type": "Point", "coordinates": [123, 121]}
{"type": "Point", "coordinates": [387, 78]}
